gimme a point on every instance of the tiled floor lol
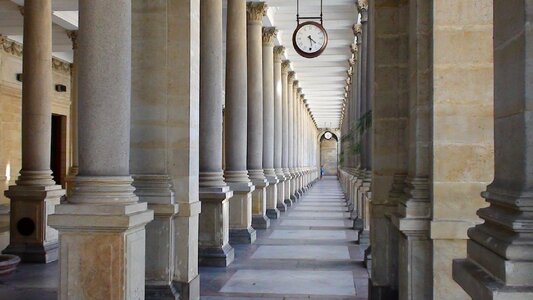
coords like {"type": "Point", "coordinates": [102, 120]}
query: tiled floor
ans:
{"type": "Point", "coordinates": [310, 253]}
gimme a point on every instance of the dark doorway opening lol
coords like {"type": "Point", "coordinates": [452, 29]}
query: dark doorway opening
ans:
{"type": "Point", "coordinates": [59, 149]}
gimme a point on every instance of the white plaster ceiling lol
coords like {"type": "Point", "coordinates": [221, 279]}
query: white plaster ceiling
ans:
{"type": "Point", "coordinates": [322, 79]}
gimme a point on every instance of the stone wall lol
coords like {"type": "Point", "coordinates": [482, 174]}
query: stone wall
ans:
{"type": "Point", "coordinates": [328, 156]}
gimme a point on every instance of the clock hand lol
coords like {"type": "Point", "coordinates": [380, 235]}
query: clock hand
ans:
{"type": "Point", "coordinates": [311, 39]}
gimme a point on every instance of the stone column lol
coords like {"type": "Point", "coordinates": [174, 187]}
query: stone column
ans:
{"type": "Point", "coordinates": [255, 12]}
{"type": "Point", "coordinates": [500, 250]}
{"type": "Point", "coordinates": [285, 81]}
{"type": "Point", "coordinates": [235, 120]}
{"type": "Point", "coordinates": [269, 34]}
{"type": "Point", "coordinates": [299, 168]}
{"type": "Point", "coordinates": [214, 247]}
{"type": "Point", "coordinates": [102, 228]}
{"type": "Point", "coordinates": [290, 128]}
{"type": "Point", "coordinates": [279, 76]}
{"type": "Point", "coordinates": [35, 193]}
{"type": "Point", "coordinates": [73, 35]}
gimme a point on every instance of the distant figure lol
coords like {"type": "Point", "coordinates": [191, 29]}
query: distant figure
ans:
{"type": "Point", "coordinates": [322, 171]}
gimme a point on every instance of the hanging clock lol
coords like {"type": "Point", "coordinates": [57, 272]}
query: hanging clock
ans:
{"type": "Point", "coordinates": [310, 39]}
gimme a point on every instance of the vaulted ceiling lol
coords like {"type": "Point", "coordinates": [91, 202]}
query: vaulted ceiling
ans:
{"type": "Point", "coordinates": [322, 79]}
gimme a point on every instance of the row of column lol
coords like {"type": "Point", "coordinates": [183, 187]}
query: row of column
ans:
{"type": "Point", "coordinates": [122, 182]}
{"type": "Point", "coordinates": [263, 129]}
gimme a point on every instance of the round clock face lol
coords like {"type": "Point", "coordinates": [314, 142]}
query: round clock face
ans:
{"type": "Point", "coordinates": [328, 135]}
{"type": "Point", "coordinates": [310, 39]}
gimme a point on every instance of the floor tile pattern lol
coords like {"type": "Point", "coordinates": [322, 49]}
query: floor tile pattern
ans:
{"type": "Point", "coordinates": [309, 253]}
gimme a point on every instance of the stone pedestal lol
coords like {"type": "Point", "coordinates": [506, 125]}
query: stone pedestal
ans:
{"type": "Point", "coordinates": [259, 202]}
{"type": "Point", "coordinates": [101, 247]}
{"type": "Point", "coordinates": [156, 191]}
{"type": "Point", "coordinates": [214, 248]}
{"type": "Point", "coordinates": [241, 231]}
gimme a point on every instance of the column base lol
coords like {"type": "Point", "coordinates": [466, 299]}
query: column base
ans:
{"type": "Point", "coordinates": [213, 248]}
{"type": "Point", "coordinates": [41, 254]}
{"type": "Point", "coordinates": [282, 207]}
{"type": "Point", "coordinates": [363, 238]}
{"type": "Point", "coordinates": [381, 292]}
{"type": "Point", "coordinates": [164, 292]}
{"type": "Point", "coordinates": [216, 257]}
{"type": "Point", "coordinates": [358, 224]}
{"type": "Point", "coordinates": [482, 286]}
{"type": "Point", "coordinates": [273, 213]}
{"type": "Point", "coordinates": [105, 240]}
{"type": "Point", "coordinates": [30, 236]}
{"type": "Point", "coordinates": [288, 202]}
{"type": "Point", "coordinates": [260, 221]}
{"type": "Point", "coordinates": [242, 236]}
{"type": "Point", "coordinates": [188, 290]}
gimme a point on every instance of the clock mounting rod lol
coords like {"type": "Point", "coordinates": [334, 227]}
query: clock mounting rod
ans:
{"type": "Point", "coordinates": [298, 18]}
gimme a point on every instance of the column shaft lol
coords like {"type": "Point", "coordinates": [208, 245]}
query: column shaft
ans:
{"type": "Point", "coordinates": [279, 76]}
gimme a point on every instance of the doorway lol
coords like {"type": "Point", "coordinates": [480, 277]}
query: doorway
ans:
{"type": "Point", "coordinates": [58, 154]}
{"type": "Point", "coordinates": [328, 153]}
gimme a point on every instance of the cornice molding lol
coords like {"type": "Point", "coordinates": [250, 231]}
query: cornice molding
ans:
{"type": "Point", "coordinates": [16, 49]}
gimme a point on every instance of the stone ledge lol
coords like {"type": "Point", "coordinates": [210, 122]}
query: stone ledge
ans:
{"type": "Point", "coordinates": [188, 209]}
{"type": "Point", "coordinates": [481, 286]}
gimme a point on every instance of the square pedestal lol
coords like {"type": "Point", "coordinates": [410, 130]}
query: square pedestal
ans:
{"type": "Point", "coordinates": [30, 237]}
{"type": "Point", "coordinates": [102, 250]}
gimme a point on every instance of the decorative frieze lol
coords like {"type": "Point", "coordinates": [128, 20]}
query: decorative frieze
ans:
{"type": "Point", "coordinates": [14, 48]}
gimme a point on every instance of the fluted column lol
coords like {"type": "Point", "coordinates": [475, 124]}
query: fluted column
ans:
{"type": "Point", "coordinates": [214, 248]}
{"type": "Point", "coordinates": [35, 193]}
{"type": "Point", "coordinates": [279, 76]}
{"type": "Point", "coordinates": [269, 34]}
{"type": "Point", "coordinates": [285, 81]}
{"type": "Point", "coordinates": [235, 120]}
{"type": "Point", "coordinates": [255, 13]}
{"type": "Point", "coordinates": [103, 209]}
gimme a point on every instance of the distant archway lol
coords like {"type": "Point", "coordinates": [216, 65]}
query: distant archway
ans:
{"type": "Point", "coordinates": [329, 153]}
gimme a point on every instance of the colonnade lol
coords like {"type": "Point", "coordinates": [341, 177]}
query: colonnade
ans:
{"type": "Point", "coordinates": [413, 174]}
{"type": "Point", "coordinates": [148, 198]}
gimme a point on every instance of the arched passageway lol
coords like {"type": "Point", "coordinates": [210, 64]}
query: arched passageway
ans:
{"type": "Point", "coordinates": [329, 153]}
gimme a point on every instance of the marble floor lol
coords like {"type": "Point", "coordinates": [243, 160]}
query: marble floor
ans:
{"type": "Point", "coordinates": [309, 253]}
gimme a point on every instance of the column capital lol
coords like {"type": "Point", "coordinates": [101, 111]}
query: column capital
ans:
{"type": "Point", "coordinates": [285, 66]}
{"type": "Point", "coordinates": [255, 11]}
{"type": "Point", "coordinates": [362, 7]}
{"type": "Point", "coordinates": [73, 36]}
{"type": "Point", "coordinates": [357, 29]}
{"type": "Point", "coordinates": [300, 91]}
{"type": "Point", "coordinates": [292, 75]}
{"type": "Point", "coordinates": [354, 49]}
{"type": "Point", "coordinates": [295, 82]}
{"type": "Point", "coordinates": [269, 34]}
{"type": "Point", "coordinates": [352, 61]}
{"type": "Point", "coordinates": [278, 52]}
